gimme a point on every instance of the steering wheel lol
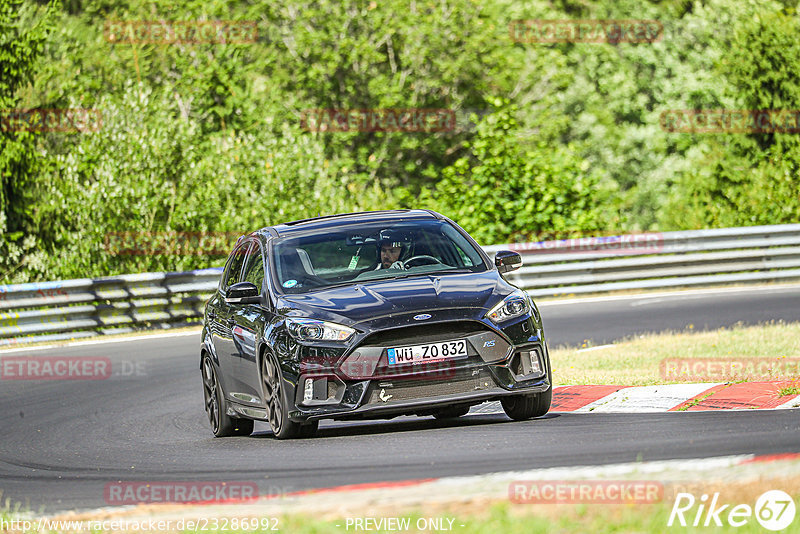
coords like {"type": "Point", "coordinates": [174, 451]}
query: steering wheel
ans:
{"type": "Point", "coordinates": [428, 260]}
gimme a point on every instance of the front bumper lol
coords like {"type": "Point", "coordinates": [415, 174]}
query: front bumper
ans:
{"type": "Point", "coordinates": [359, 381]}
{"type": "Point", "coordinates": [471, 381]}
{"type": "Point", "coordinates": [420, 406]}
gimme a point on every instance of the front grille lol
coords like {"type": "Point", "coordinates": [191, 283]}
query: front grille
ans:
{"type": "Point", "coordinates": [407, 390]}
{"type": "Point", "coordinates": [429, 333]}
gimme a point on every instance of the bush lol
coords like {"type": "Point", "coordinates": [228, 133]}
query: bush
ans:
{"type": "Point", "coordinates": [507, 189]}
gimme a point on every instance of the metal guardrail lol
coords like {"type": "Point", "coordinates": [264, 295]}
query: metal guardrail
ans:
{"type": "Point", "coordinates": [90, 307]}
{"type": "Point", "coordinates": [647, 261]}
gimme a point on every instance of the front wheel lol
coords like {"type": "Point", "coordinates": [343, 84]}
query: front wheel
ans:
{"type": "Point", "coordinates": [222, 425]}
{"type": "Point", "coordinates": [277, 409]}
{"type": "Point", "coordinates": [522, 407]}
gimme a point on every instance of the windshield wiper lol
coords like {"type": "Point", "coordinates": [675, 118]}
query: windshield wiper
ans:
{"type": "Point", "coordinates": [454, 270]}
{"type": "Point", "coordinates": [401, 275]}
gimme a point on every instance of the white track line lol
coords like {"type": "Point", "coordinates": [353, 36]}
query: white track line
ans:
{"type": "Point", "coordinates": [102, 341]}
{"type": "Point", "coordinates": [589, 349]}
{"type": "Point", "coordinates": [669, 294]}
{"type": "Point", "coordinates": [646, 398]}
{"type": "Point", "coordinates": [793, 403]}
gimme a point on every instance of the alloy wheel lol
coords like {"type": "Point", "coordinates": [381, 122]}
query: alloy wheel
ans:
{"type": "Point", "coordinates": [272, 389]}
{"type": "Point", "coordinates": [210, 389]}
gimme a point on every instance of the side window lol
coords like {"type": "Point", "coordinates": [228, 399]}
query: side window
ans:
{"type": "Point", "coordinates": [254, 270]}
{"type": "Point", "coordinates": [233, 269]}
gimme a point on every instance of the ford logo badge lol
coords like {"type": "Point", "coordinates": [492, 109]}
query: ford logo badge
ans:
{"type": "Point", "coordinates": [422, 316]}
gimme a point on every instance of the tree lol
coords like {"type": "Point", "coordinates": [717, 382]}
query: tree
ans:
{"type": "Point", "coordinates": [750, 178]}
{"type": "Point", "coordinates": [21, 46]}
{"type": "Point", "coordinates": [510, 190]}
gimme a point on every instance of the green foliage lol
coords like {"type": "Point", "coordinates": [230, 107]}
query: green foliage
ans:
{"type": "Point", "coordinates": [165, 175]}
{"type": "Point", "coordinates": [22, 39]}
{"type": "Point", "coordinates": [389, 54]}
{"type": "Point", "coordinates": [207, 137]}
{"type": "Point", "coordinates": [605, 99]}
{"type": "Point", "coordinates": [748, 179]}
{"type": "Point", "coordinates": [509, 188]}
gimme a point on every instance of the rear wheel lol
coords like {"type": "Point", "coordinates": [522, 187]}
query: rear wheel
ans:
{"type": "Point", "coordinates": [451, 412]}
{"type": "Point", "coordinates": [222, 424]}
{"type": "Point", "coordinates": [277, 408]}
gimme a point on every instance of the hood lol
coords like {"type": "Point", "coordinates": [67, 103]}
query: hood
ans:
{"type": "Point", "coordinates": [444, 297]}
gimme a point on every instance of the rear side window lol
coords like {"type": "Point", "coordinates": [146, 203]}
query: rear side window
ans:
{"type": "Point", "coordinates": [233, 269]}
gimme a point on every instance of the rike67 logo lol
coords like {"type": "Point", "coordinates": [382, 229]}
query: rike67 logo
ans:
{"type": "Point", "coordinates": [774, 510]}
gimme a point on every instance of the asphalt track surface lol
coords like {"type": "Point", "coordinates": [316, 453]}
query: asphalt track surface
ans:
{"type": "Point", "coordinates": [62, 441]}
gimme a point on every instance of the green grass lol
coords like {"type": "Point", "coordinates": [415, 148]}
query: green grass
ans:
{"type": "Point", "coordinates": [504, 518]}
{"type": "Point", "coordinates": [520, 519]}
{"type": "Point", "coordinates": [637, 361]}
{"type": "Point", "coordinates": [694, 402]}
{"type": "Point", "coordinates": [789, 390]}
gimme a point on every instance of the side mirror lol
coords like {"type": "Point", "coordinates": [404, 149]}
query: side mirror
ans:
{"type": "Point", "coordinates": [243, 293]}
{"type": "Point", "coordinates": [507, 261]}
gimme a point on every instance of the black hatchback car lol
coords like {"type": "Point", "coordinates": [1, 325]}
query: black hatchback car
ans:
{"type": "Point", "coordinates": [368, 315]}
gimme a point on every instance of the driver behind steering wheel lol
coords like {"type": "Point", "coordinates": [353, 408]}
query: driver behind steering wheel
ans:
{"type": "Point", "coordinates": [391, 249]}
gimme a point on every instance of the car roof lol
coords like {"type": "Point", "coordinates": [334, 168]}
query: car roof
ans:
{"type": "Point", "coordinates": [330, 221]}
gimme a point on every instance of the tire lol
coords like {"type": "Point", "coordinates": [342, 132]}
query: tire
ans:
{"type": "Point", "coordinates": [277, 407]}
{"type": "Point", "coordinates": [523, 407]}
{"type": "Point", "coordinates": [451, 412]}
{"type": "Point", "coordinates": [222, 425]}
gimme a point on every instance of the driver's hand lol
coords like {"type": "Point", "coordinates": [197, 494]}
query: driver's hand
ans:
{"type": "Point", "coordinates": [398, 265]}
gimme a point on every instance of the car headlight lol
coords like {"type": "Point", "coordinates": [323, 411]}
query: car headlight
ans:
{"type": "Point", "coordinates": [313, 330]}
{"type": "Point", "coordinates": [514, 305]}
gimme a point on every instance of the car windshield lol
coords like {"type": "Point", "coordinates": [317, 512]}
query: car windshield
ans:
{"type": "Point", "coordinates": [374, 251]}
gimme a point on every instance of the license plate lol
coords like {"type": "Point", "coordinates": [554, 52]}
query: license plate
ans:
{"type": "Point", "coordinates": [429, 352]}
